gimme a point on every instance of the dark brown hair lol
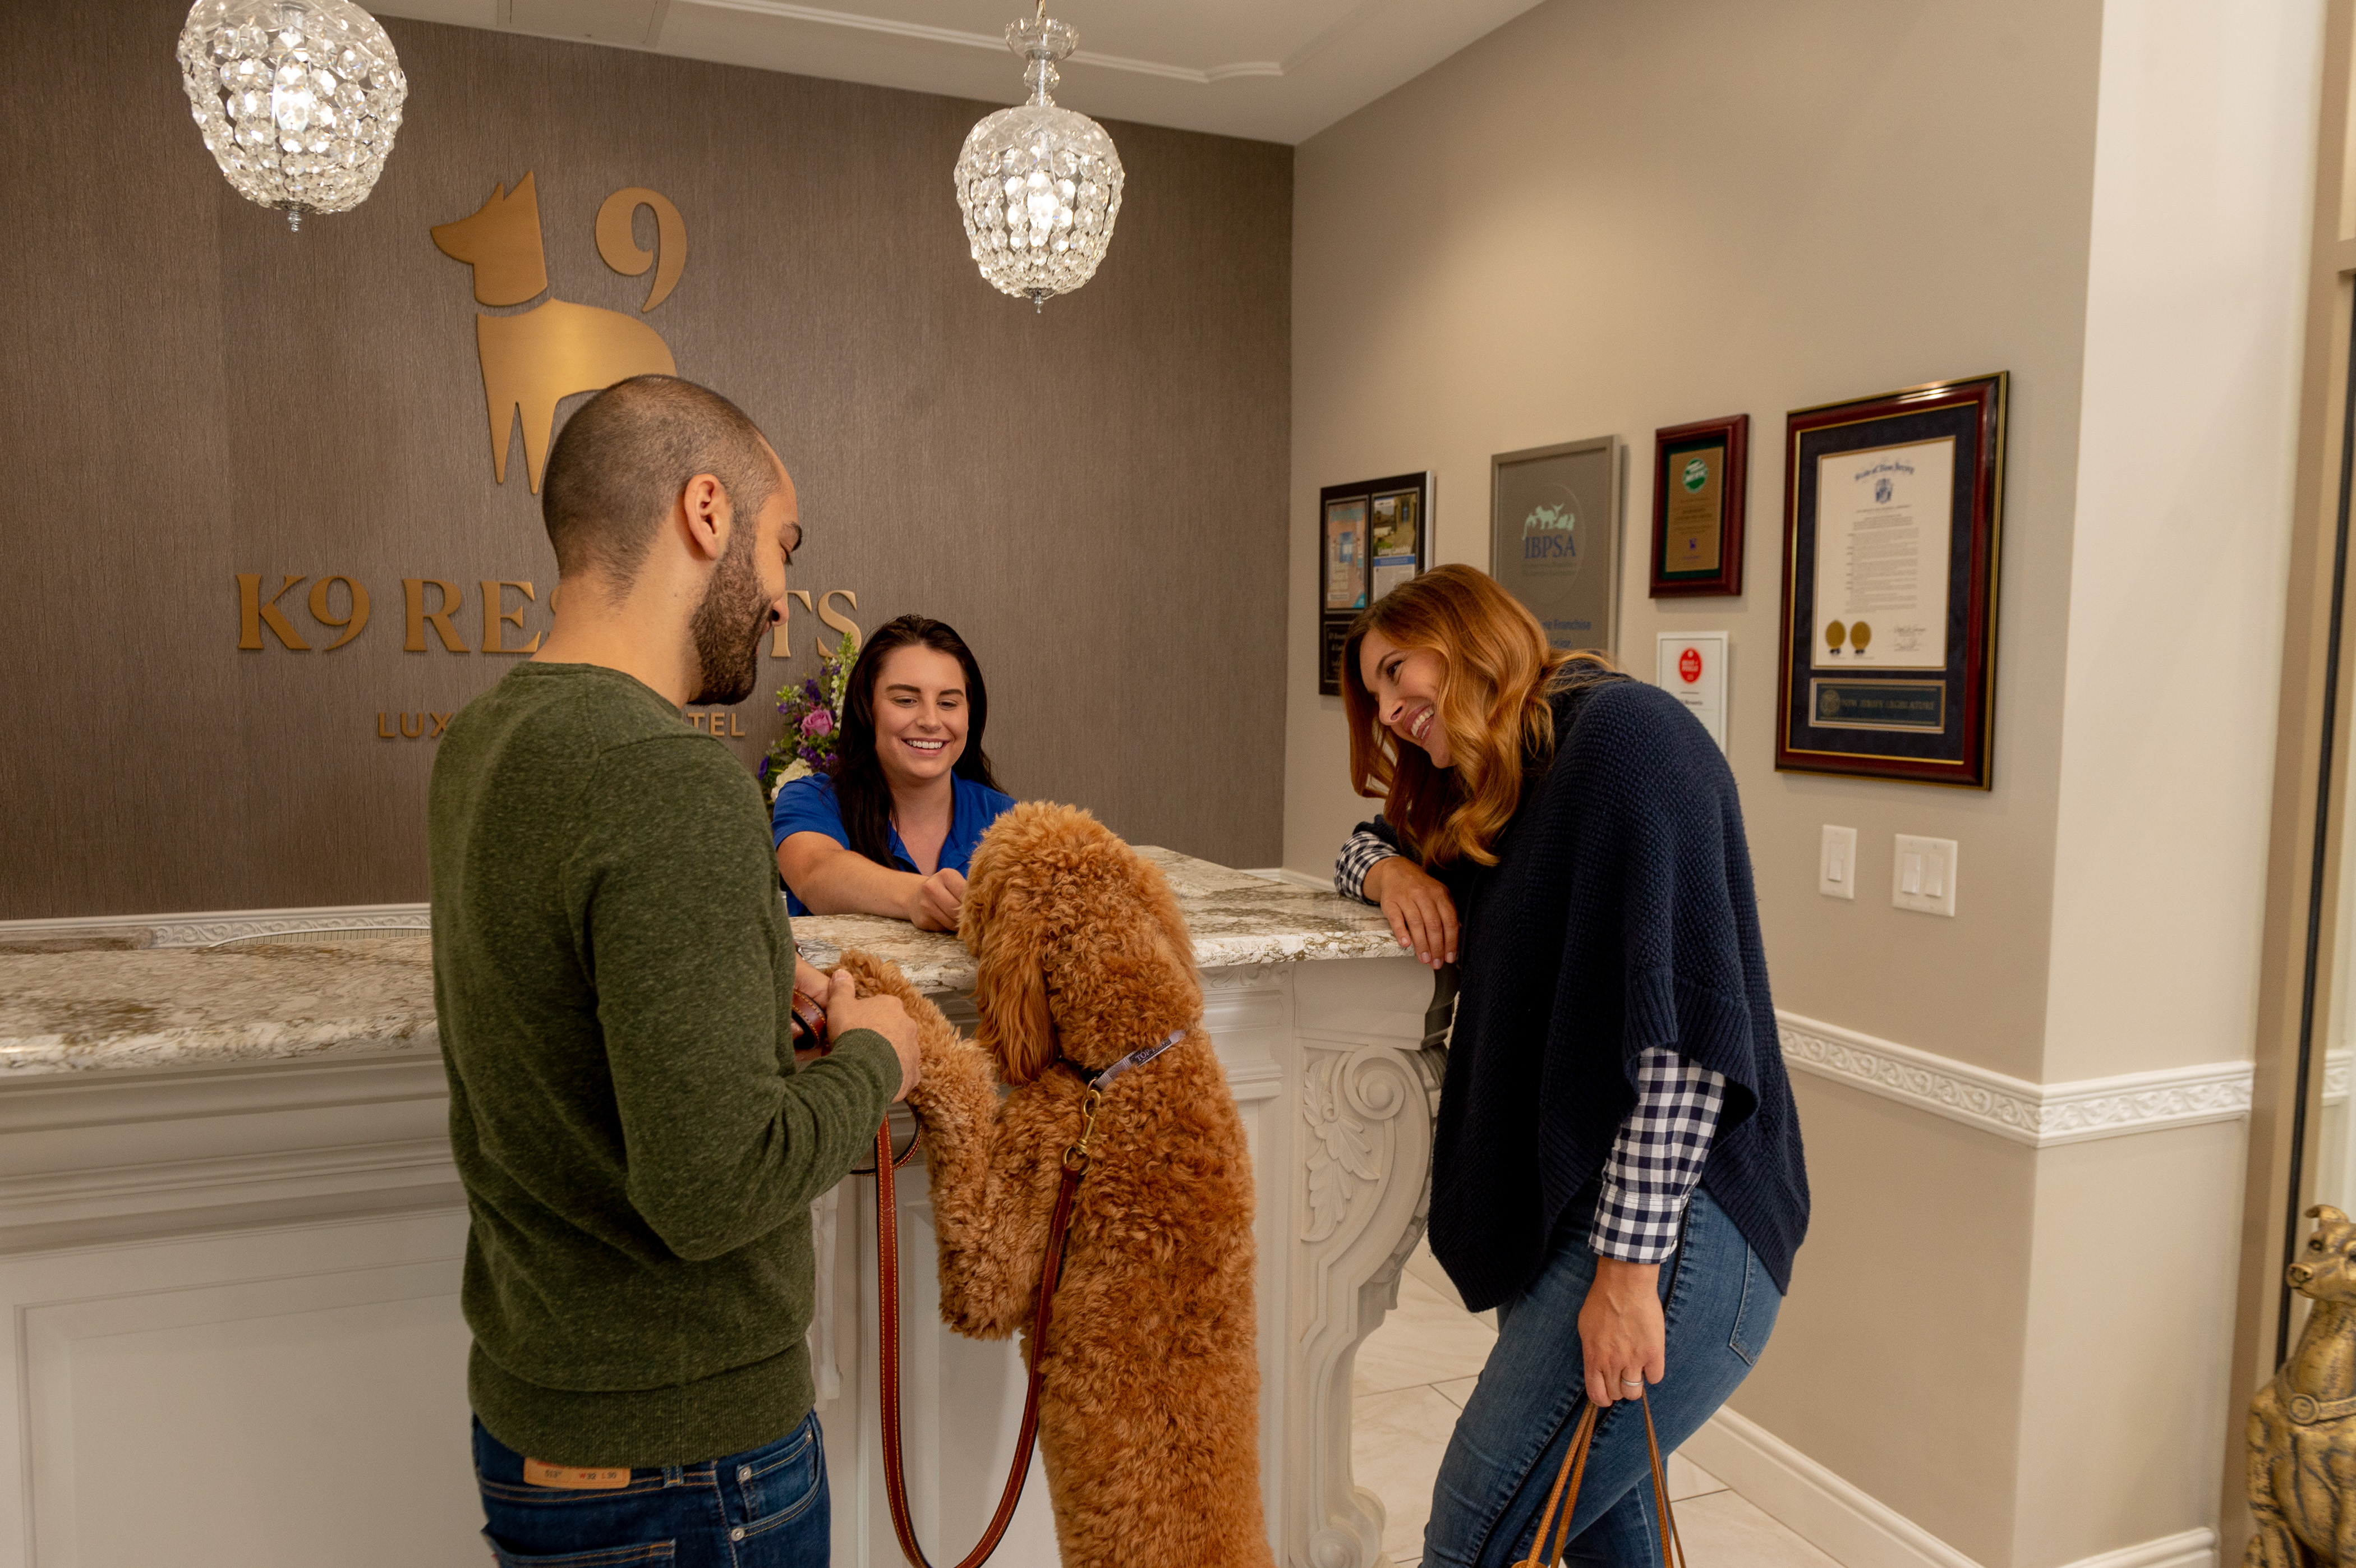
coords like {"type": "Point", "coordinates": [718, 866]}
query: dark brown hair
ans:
{"type": "Point", "coordinates": [1493, 706]}
{"type": "Point", "coordinates": [861, 790]}
{"type": "Point", "coordinates": [624, 457]}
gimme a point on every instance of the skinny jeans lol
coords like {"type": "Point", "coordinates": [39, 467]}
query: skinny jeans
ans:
{"type": "Point", "coordinates": [1721, 1305]}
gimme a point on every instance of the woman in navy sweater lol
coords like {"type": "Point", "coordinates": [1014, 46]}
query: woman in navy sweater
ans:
{"type": "Point", "coordinates": [1617, 1165]}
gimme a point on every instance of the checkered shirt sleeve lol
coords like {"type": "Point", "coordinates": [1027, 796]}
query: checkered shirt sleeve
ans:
{"type": "Point", "coordinates": [1359, 853]}
{"type": "Point", "coordinates": [1657, 1158]}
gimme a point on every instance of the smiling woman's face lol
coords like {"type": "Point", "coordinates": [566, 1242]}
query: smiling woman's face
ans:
{"type": "Point", "coordinates": [1405, 684]}
{"type": "Point", "coordinates": [920, 715]}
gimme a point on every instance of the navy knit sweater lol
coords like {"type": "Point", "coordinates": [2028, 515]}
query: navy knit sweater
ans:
{"type": "Point", "coordinates": [1620, 916]}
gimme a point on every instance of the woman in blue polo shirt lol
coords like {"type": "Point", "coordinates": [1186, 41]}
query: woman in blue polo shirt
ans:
{"type": "Point", "coordinates": [893, 831]}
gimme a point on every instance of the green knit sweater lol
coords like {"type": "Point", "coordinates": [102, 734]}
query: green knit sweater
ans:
{"type": "Point", "coordinates": [613, 970]}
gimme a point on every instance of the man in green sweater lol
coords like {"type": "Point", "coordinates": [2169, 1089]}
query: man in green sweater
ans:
{"type": "Point", "coordinates": [614, 973]}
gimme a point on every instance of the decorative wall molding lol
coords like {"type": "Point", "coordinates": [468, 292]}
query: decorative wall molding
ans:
{"type": "Point", "coordinates": [1850, 1524]}
{"type": "Point", "coordinates": [2041, 1115]}
{"type": "Point", "coordinates": [2335, 1076]}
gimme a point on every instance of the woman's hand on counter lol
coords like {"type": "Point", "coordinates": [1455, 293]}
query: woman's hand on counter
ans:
{"type": "Point", "coordinates": [934, 901]}
{"type": "Point", "coordinates": [1422, 915]}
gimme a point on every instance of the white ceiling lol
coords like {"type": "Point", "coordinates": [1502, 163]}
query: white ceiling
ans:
{"type": "Point", "coordinates": [1280, 71]}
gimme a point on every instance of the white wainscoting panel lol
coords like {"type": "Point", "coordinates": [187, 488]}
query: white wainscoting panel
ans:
{"type": "Point", "coordinates": [260, 1400]}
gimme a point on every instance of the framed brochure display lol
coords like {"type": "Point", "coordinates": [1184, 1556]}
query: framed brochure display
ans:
{"type": "Point", "coordinates": [1893, 511]}
{"type": "Point", "coordinates": [1554, 537]}
{"type": "Point", "coordinates": [1371, 537]}
{"type": "Point", "coordinates": [1700, 475]}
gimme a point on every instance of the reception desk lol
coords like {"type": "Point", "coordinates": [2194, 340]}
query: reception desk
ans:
{"type": "Point", "coordinates": [229, 1236]}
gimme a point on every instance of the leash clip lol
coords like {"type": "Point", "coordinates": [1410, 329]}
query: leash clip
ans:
{"type": "Point", "coordinates": [1076, 1158]}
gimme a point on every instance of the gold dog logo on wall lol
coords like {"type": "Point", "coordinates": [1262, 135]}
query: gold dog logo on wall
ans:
{"type": "Point", "coordinates": [533, 360]}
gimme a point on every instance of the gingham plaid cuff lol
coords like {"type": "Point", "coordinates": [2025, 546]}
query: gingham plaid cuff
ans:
{"type": "Point", "coordinates": [1359, 853]}
{"type": "Point", "coordinates": [1657, 1158]}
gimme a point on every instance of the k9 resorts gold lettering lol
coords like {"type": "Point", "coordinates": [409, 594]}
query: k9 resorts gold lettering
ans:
{"type": "Point", "coordinates": [340, 604]}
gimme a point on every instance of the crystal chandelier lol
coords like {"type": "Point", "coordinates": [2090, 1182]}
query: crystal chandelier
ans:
{"type": "Point", "coordinates": [1040, 186]}
{"type": "Point", "coordinates": [298, 100]}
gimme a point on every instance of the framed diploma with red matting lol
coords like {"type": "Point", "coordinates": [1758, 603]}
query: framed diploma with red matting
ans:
{"type": "Point", "coordinates": [1893, 508]}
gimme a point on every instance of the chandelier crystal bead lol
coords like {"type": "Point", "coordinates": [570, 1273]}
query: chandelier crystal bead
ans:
{"type": "Point", "coordinates": [297, 100]}
{"type": "Point", "coordinates": [1039, 186]}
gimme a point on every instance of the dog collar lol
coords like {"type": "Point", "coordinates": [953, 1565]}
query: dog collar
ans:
{"type": "Point", "coordinates": [1102, 1080]}
{"type": "Point", "coordinates": [2308, 1411]}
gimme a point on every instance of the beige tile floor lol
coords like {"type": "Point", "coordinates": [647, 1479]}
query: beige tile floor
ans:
{"type": "Point", "coordinates": [1412, 1375]}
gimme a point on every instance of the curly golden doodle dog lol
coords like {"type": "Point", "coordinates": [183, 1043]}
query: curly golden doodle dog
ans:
{"type": "Point", "coordinates": [1148, 1420]}
{"type": "Point", "coordinates": [2302, 1427]}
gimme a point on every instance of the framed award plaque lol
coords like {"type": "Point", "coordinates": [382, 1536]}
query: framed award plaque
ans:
{"type": "Point", "coordinates": [1700, 475]}
{"type": "Point", "coordinates": [1553, 538]}
{"type": "Point", "coordinates": [1893, 508]}
{"type": "Point", "coordinates": [1371, 537]}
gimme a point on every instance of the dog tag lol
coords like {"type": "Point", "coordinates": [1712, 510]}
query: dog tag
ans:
{"type": "Point", "coordinates": [574, 1478]}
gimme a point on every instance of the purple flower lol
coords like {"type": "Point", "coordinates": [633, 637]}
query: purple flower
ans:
{"type": "Point", "coordinates": [764, 769]}
{"type": "Point", "coordinates": [810, 689]}
{"type": "Point", "coordinates": [818, 722]}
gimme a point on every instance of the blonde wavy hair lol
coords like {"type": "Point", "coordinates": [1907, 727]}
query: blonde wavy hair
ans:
{"type": "Point", "coordinates": [1498, 674]}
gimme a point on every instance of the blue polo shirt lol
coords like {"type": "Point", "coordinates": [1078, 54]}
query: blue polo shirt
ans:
{"type": "Point", "coordinates": [807, 806]}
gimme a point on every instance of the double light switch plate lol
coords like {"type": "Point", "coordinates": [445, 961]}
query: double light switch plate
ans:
{"type": "Point", "coordinates": [1922, 877]}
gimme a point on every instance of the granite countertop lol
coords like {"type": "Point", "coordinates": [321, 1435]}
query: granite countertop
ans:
{"type": "Point", "coordinates": [1234, 918]}
{"type": "Point", "coordinates": [77, 1007]}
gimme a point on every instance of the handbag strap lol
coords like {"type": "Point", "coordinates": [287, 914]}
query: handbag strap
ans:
{"type": "Point", "coordinates": [1564, 1495]}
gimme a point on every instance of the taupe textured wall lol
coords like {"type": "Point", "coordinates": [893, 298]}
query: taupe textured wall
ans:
{"type": "Point", "coordinates": [1094, 496]}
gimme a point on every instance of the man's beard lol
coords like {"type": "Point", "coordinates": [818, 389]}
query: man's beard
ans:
{"type": "Point", "coordinates": [728, 628]}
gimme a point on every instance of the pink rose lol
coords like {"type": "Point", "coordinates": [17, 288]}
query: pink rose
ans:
{"type": "Point", "coordinates": [818, 722]}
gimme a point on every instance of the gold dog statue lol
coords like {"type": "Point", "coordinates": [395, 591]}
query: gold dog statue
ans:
{"type": "Point", "coordinates": [2302, 1429]}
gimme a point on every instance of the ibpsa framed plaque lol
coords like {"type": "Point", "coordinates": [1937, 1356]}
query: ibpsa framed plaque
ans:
{"type": "Point", "coordinates": [1553, 538]}
{"type": "Point", "coordinates": [1894, 510]}
{"type": "Point", "coordinates": [1701, 473]}
{"type": "Point", "coordinates": [1371, 537]}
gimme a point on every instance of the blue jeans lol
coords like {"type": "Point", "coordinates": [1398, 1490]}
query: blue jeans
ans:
{"type": "Point", "coordinates": [1509, 1444]}
{"type": "Point", "coordinates": [764, 1509]}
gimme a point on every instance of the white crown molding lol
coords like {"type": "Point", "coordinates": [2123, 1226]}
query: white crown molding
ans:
{"type": "Point", "coordinates": [1859, 1530]}
{"type": "Point", "coordinates": [2041, 1115]}
{"type": "Point", "coordinates": [957, 37]}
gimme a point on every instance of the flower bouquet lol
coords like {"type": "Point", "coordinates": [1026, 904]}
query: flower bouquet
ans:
{"type": "Point", "coordinates": [813, 713]}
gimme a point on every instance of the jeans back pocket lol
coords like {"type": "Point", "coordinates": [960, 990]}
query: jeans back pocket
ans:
{"type": "Point", "coordinates": [653, 1554]}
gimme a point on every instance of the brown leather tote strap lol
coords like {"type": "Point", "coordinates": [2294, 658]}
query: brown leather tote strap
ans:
{"type": "Point", "coordinates": [1564, 1495]}
{"type": "Point", "coordinates": [887, 1263]}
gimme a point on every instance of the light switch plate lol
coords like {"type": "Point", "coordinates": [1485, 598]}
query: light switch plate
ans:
{"type": "Point", "coordinates": [1923, 875]}
{"type": "Point", "coordinates": [1837, 863]}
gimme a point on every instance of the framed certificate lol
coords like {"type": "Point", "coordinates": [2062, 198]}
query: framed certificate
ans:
{"type": "Point", "coordinates": [1894, 510]}
{"type": "Point", "coordinates": [1371, 536]}
{"type": "Point", "coordinates": [1554, 537]}
{"type": "Point", "coordinates": [1700, 475]}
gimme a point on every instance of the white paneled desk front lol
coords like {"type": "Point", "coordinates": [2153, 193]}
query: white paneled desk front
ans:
{"type": "Point", "coordinates": [229, 1239]}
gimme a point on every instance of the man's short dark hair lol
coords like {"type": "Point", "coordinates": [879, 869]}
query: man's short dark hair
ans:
{"type": "Point", "coordinates": [624, 457]}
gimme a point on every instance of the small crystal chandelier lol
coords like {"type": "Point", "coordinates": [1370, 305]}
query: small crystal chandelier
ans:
{"type": "Point", "coordinates": [1040, 186]}
{"type": "Point", "coordinates": [298, 100]}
